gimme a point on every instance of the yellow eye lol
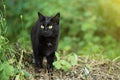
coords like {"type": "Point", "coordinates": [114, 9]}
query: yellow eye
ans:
{"type": "Point", "coordinates": [50, 27]}
{"type": "Point", "coordinates": [42, 27]}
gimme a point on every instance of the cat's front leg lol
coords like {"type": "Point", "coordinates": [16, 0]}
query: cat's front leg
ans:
{"type": "Point", "coordinates": [38, 61]}
{"type": "Point", "coordinates": [50, 60]}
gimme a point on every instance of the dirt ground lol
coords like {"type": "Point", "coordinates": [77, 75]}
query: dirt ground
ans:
{"type": "Point", "coordinates": [86, 69]}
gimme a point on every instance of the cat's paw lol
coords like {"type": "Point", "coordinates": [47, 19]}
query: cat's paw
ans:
{"type": "Point", "coordinates": [38, 70]}
{"type": "Point", "coordinates": [50, 68]}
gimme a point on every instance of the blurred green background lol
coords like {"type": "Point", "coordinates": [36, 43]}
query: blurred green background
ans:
{"type": "Point", "coordinates": [87, 27]}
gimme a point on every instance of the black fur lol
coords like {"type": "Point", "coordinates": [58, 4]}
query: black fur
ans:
{"type": "Point", "coordinates": [45, 41]}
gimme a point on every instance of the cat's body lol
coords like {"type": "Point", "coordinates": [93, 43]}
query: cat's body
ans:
{"type": "Point", "coordinates": [44, 37]}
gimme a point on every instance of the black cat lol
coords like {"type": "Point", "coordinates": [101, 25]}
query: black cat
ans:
{"type": "Point", "coordinates": [44, 37]}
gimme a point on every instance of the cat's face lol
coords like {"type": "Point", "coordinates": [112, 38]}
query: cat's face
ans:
{"type": "Point", "coordinates": [48, 26]}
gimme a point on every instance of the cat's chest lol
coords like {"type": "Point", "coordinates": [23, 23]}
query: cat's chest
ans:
{"type": "Point", "coordinates": [48, 44]}
{"type": "Point", "coordinates": [48, 41]}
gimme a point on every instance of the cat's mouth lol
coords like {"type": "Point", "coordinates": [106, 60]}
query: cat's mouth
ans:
{"type": "Point", "coordinates": [47, 35]}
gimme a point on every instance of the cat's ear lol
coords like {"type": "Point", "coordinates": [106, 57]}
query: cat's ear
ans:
{"type": "Point", "coordinates": [56, 18]}
{"type": "Point", "coordinates": [41, 17]}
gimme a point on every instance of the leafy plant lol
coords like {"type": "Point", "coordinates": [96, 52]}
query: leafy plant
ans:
{"type": "Point", "coordinates": [65, 62]}
{"type": "Point", "coordinates": [6, 70]}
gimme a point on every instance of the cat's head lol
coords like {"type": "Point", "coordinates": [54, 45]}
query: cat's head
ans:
{"type": "Point", "coordinates": [48, 26]}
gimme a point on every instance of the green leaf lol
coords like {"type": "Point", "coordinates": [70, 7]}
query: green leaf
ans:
{"type": "Point", "coordinates": [63, 62]}
{"type": "Point", "coordinates": [57, 56]}
{"type": "Point", "coordinates": [66, 66]}
{"type": "Point", "coordinates": [73, 59]}
{"type": "Point", "coordinates": [8, 69]}
{"type": "Point", "coordinates": [1, 67]}
{"type": "Point", "coordinates": [4, 77]}
{"type": "Point", "coordinates": [57, 65]}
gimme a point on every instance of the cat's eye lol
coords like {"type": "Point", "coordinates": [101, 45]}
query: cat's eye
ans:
{"type": "Point", "coordinates": [50, 27]}
{"type": "Point", "coordinates": [42, 27]}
